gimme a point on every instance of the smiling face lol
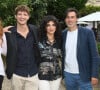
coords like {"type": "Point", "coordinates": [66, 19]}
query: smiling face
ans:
{"type": "Point", "coordinates": [22, 17]}
{"type": "Point", "coordinates": [71, 20]}
{"type": "Point", "coordinates": [50, 27]}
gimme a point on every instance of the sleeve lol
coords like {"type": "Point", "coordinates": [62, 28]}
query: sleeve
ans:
{"type": "Point", "coordinates": [94, 54]}
{"type": "Point", "coordinates": [4, 46]}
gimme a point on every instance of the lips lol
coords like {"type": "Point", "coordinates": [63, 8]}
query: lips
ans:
{"type": "Point", "coordinates": [51, 30]}
{"type": "Point", "coordinates": [22, 20]}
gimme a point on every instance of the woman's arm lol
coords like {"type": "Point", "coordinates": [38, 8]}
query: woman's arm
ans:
{"type": "Point", "coordinates": [6, 29]}
{"type": "Point", "coordinates": [4, 45]}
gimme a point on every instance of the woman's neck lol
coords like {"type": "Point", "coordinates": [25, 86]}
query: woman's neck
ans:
{"type": "Point", "coordinates": [22, 28]}
{"type": "Point", "coordinates": [50, 37]}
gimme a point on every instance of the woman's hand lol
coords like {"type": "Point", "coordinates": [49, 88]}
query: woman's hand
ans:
{"type": "Point", "coordinates": [6, 29]}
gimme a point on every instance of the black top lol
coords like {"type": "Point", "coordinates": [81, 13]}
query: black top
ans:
{"type": "Point", "coordinates": [26, 64]}
{"type": "Point", "coordinates": [50, 65]}
{"type": "Point", "coordinates": [11, 58]}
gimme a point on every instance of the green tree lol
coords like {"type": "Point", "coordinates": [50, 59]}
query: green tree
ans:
{"type": "Point", "coordinates": [78, 4]}
{"type": "Point", "coordinates": [57, 8]}
{"type": "Point", "coordinates": [89, 9]}
{"type": "Point", "coordinates": [40, 9]}
{"type": "Point", "coordinates": [7, 10]}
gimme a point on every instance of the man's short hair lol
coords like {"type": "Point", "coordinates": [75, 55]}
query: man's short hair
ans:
{"type": "Point", "coordinates": [22, 8]}
{"type": "Point", "coordinates": [71, 10]}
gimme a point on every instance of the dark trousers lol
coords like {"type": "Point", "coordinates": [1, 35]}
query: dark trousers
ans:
{"type": "Point", "coordinates": [1, 80]}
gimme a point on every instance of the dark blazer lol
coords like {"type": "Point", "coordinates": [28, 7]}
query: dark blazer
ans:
{"type": "Point", "coordinates": [11, 58]}
{"type": "Point", "coordinates": [87, 54]}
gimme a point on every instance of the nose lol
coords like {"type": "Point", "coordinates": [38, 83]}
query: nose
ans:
{"type": "Point", "coordinates": [22, 15]}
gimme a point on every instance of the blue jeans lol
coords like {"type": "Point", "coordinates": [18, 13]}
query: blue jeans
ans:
{"type": "Point", "coordinates": [74, 82]}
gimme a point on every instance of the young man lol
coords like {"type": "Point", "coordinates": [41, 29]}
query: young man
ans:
{"type": "Point", "coordinates": [80, 55]}
{"type": "Point", "coordinates": [22, 52]}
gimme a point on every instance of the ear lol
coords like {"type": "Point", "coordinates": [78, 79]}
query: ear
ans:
{"type": "Point", "coordinates": [65, 20]}
{"type": "Point", "coordinates": [28, 17]}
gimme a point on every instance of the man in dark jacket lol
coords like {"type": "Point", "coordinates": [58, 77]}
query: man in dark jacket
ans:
{"type": "Point", "coordinates": [22, 52]}
{"type": "Point", "coordinates": [80, 63]}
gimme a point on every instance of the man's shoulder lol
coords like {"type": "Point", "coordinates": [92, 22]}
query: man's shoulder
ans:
{"type": "Point", "coordinates": [85, 30]}
{"type": "Point", "coordinates": [64, 31]}
{"type": "Point", "coordinates": [12, 28]}
{"type": "Point", "coordinates": [32, 26]}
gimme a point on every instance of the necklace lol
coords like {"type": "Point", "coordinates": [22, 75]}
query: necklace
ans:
{"type": "Point", "coordinates": [51, 42]}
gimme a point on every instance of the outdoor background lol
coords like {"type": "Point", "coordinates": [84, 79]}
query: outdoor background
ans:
{"type": "Point", "coordinates": [40, 8]}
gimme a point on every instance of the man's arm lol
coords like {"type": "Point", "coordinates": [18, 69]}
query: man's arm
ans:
{"type": "Point", "coordinates": [94, 56]}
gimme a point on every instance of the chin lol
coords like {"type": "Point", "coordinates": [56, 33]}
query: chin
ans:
{"type": "Point", "coordinates": [71, 26]}
{"type": "Point", "coordinates": [51, 33]}
{"type": "Point", "coordinates": [22, 23]}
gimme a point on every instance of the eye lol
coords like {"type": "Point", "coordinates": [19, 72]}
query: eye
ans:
{"type": "Point", "coordinates": [19, 14]}
{"type": "Point", "coordinates": [25, 14]}
{"type": "Point", "coordinates": [50, 25]}
{"type": "Point", "coordinates": [47, 25]}
{"type": "Point", "coordinates": [53, 24]}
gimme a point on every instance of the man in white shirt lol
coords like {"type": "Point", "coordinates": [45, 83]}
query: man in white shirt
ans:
{"type": "Point", "coordinates": [80, 63]}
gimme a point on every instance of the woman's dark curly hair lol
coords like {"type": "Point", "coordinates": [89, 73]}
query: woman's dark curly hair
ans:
{"type": "Point", "coordinates": [46, 19]}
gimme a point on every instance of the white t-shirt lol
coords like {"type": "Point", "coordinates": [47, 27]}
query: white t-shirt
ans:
{"type": "Point", "coordinates": [71, 64]}
{"type": "Point", "coordinates": [3, 50]}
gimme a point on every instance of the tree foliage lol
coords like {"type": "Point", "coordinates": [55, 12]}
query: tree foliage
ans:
{"type": "Point", "coordinates": [78, 4]}
{"type": "Point", "coordinates": [89, 9]}
{"type": "Point", "coordinates": [7, 8]}
{"type": "Point", "coordinates": [57, 8]}
{"type": "Point", "coordinates": [39, 8]}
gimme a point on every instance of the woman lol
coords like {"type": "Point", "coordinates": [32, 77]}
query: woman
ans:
{"type": "Point", "coordinates": [2, 50]}
{"type": "Point", "coordinates": [50, 50]}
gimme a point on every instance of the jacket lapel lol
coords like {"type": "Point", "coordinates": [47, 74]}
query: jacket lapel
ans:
{"type": "Point", "coordinates": [64, 39]}
{"type": "Point", "coordinates": [11, 37]}
{"type": "Point", "coordinates": [78, 39]}
{"type": "Point", "coordinates": [14, 30]}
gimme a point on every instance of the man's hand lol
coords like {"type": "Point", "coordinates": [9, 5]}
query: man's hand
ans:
{"type": "Point", "coordinates": [5, 29]}
{"type": "Point", "coordinates": [94, 81]}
